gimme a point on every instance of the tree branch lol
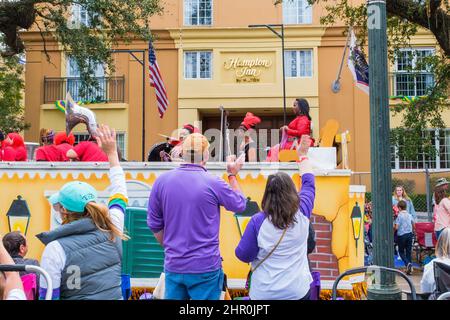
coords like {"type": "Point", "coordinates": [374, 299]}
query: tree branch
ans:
{"type": "Point", "coordinates": [432, 17]}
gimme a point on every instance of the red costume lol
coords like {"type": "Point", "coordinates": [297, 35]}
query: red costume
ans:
{"type": "Point", "coordinates": [64, 143]}
{"type": "Point", "coordinates": [48, 153]}
{"type": "Point", "coordinates": [90, 151]}
{"type": "Point", "coordinates": [7, 153]}
{"type": "Point", "coordinates": [301, 125]}
{"type": "Point", "coordinates": [18, 146]}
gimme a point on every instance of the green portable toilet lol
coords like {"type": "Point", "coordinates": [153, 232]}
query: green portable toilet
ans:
{"type": "Point", "coordinates": [143, 256]}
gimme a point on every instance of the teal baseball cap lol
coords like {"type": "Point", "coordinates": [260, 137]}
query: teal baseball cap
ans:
{"type": "Point", "coordinates": [74, 196]}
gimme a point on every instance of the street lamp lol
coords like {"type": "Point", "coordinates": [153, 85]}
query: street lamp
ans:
{"type": "Point", "coordinates": [19, 216]}
{"type": "Point", "coordinates": [242, 218]}
{"type": "Point", "coordinates": [356, 224]}
{"type": "Point", "coordinates": [383, 239]}
{"type": "Point", "coordinates": [281, 36]}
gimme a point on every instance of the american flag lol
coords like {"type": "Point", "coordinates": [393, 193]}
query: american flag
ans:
{"type": "Point", "coordinates": [156, 81]}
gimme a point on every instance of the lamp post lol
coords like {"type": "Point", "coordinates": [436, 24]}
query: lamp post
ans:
{"type": "Point", "coordinates": [356, 224]}
{"type": "Point", "coordinates": [383, 235]}
{"type": "Point", "coordinates": [281, 36]}
{"type": "Point", "coordinates": [18, 216]}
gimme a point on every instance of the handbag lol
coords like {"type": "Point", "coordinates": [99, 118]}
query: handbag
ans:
{"type": "Point", "coordinates": [249, 276]}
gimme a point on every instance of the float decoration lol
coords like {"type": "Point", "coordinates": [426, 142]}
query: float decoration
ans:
{"type": "Point", "coordinates": [19, 216]}
{"type": "Point", "coordinates": [356, 224]}
{"type": "Point", "coordinates": [76, 114]}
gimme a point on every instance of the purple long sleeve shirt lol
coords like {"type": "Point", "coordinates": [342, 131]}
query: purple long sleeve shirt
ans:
{"type": "Point", "coordinates": [185, 203]}
{"type": "Point", "coordinates": [247, 249]}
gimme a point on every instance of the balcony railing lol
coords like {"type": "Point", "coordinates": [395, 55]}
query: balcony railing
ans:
{"type": "Point", "coordinates": [110, 89]}
{"type": "Point", "coordinates": [412, 84]}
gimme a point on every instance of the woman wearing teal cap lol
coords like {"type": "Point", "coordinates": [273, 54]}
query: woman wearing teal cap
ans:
{"type": "Point", "coordinates": [83, 256]}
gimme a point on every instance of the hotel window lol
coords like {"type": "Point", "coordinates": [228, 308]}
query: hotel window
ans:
{"type": "Point", "coordinates": [297, 12]}
{"type": "Point", "coordinates": [120, 136]}
{"type": "Point", "coordinates": [298, 63]}
{"type": "Point", "coordinates": [409, 80]}
{"type": "Point", "coordinates": [197, 65]}
{"type": "Point", "coordinates": [74, 83]}
{"type": "Point", "coordinates": [197, 12]}
{"type": "Point", "coordinates": [440, 139]}
{"type": "Point", "coordinates": [80, 16]}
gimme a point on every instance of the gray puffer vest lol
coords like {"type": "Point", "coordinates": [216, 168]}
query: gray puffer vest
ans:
{"type": "Point", "coordinates": [93, 262]}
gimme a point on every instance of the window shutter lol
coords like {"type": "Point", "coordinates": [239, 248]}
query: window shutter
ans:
{"type": "Point", "coordinates": [143, 256]}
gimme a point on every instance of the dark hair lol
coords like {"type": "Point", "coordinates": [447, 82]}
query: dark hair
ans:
{"type": "Point", "coordinates": [2, 136]}
{"type": "Point", "coordinates": [401, 205]}
{"type": "Point", "coordinates": [303, 107]}
{"type": "Point", "coordinates": [280, 201]}
{"type": "Point", "coordinates": [12, 242]}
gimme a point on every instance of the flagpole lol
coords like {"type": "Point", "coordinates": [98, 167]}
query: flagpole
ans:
{"type": "Point", "coordinates": [143, 106]}
{"type": "Point", "coordinates": [336, 85]}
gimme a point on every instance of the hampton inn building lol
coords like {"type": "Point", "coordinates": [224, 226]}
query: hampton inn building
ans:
{"type": "Point", "coordinates": [209, 57]}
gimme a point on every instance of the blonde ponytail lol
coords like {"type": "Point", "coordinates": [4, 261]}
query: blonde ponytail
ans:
{"type": "Point", "coordinates": [99, 214]}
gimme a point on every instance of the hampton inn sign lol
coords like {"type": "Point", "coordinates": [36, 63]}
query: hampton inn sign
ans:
{"type": "Point", "coordinates": [247, 70]}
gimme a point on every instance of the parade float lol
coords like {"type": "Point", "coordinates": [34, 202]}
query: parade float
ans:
{"type": "Point", "coordinates": [337, 216]}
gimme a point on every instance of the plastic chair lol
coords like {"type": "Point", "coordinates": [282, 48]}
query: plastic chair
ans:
{"type": "Point", "coordinates": [426, 239]}
{"type": "Point", "coordinates": [364, 270]}
{"type": "Point", "coordinates": [29, 282]}
{"type": "Point", "coordinates": [328, 132]}
{"type": "Point", "coordinates": [31, 269]}
{"type": "Point", "coordinates": [441, 278]}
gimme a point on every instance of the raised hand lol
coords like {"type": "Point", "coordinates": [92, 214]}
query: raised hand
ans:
{"type": "Point", "coordinates": [106, 139]}
{"type": "Point", "coordinates": [303, 148]}
{"type": "Point", "coordinates": [235, 165]}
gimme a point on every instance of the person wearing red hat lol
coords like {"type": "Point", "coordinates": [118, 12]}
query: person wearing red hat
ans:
{"type": "Point", "coordinates": [246, 131]}
{"type": "Point", "coordinates": [14, 148]}
{"type": "Point", "coordinates": [7, 153]}
{"type": "Point", "coordinates": [64, 143]}
{"type": "Point", "coordinates": [175, 153]}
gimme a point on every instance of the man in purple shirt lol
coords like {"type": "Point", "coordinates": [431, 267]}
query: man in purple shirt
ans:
{"type": "Point", "coordinates": [184, 215]}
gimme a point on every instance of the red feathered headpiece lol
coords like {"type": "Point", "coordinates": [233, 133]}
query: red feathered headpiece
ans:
{"type": "Point", "coordinates": [61, 137]}
{"type": "Point", "coordinates": [191, 128]}
{"type": "Point", "coordinates": [250, 120]}
{"type": "Point", "coordinates": [17, 140]}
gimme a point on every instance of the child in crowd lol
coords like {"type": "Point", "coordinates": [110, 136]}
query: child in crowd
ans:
{"type": "Point", "coordinates": [16, 245]}
{"type": "Point", "coordinates": [11, 287]}
{"type": "Point", "coordinates": [83, 256]}
{"type": "Point", "coordinates": [404, 224]}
